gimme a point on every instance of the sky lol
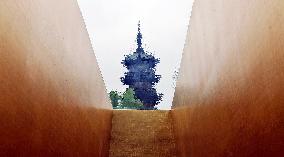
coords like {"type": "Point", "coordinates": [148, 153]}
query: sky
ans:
{"type": "Point", "coordinates": [112, 27]}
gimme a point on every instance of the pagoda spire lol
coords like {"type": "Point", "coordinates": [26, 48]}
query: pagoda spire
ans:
{"type": "Point", "coordinates": [141, 75]}
{"type": "Point", "coordinates": [139, 40]}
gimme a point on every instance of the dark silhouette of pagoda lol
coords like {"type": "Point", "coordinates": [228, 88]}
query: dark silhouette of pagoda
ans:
{"type": "Point", "coordinates": [141, 75]}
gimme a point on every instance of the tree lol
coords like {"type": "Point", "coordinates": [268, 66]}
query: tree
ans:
{"type": "Point", "coordinates": [141, 75]}
{"type": "Point", "coordinates": [129, 101]}
{"type": "Point", "coordinates": [115, 99]}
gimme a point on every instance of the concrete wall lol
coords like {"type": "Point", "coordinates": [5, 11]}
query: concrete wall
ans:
{"type": "Point", "coordinates": [53, 100]}
{"type": "Point", "coordinates": [229, 96]}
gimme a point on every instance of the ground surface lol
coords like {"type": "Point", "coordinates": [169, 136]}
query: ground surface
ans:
{"type": "Point", "coordinates": [142, 134]}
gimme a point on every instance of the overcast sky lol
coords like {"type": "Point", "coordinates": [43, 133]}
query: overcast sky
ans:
{"type": "Point", "coordinates": [112, 26]}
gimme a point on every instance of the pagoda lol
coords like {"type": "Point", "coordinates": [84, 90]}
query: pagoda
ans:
{"type": "Point", "coordinates": [141, 75]}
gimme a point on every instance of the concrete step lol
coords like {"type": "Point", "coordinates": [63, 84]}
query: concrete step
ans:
{"type": "Point", "coordinates": [139, 133]}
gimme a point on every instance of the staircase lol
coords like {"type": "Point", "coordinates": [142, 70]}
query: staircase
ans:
{"type": "Point", "coordinates": [139, 133]}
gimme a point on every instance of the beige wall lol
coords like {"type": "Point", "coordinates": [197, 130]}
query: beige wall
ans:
{"type": "Point", "coordinates": [53, 100]}
{"type": "Point", "coordinates": [229, 96]}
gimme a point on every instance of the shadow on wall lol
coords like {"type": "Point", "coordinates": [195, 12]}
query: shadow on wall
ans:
{"type": "Point", "coordinates": [54, 130]}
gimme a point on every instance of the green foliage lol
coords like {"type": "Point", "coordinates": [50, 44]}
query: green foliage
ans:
{"type": "Point", "coordinates": [129, 100]}
{"type": "Point", "coordinates": [115, 99]}
{"type": "Point", "coordinates": [125, 101]}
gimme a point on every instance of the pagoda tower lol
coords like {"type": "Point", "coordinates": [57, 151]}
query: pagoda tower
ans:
{"type": "Point", "coordinates": [141, 75]}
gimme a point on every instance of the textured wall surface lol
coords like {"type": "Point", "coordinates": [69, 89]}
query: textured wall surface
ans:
{"type": "Point", "coordinates": [229, 96]}
{"type": "Point", "coordinates": [52, 97]}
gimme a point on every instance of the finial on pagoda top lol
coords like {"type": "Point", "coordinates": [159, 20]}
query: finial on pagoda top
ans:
{"type": "Point", "coordinates": [139, 26]}
{"type": "Point", "coordinates": [139, 39]}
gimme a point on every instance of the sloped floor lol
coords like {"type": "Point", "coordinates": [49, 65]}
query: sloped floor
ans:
{"type": "Point", "coordinates": [137, 133]}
